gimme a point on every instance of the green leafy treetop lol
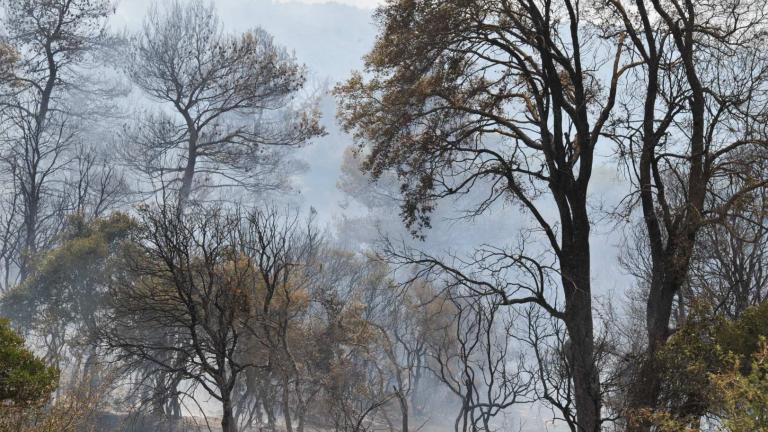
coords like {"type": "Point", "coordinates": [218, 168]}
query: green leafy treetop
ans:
{"type": "Point", "coordinates": [25, 380]}
{"type": "Point", "coordinates": [60, 299]}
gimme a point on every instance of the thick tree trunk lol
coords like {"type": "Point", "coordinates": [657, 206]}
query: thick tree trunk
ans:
{"type": "Point", "coordinates": [585, 376]}
{"type": "Point", "coordinates": [668, 276]}
{"type": "Point", "coordinates": [578, 321]}
{"type": "Point", "coordinates": [188, 178]}
{"type": "Point", "coordinates": [227, 418]}
{"type": "Point", "coordinates": [189, 169]}
{"type": "Point", "coordinates": [31, 214]}
{"type": "Point", "coordinates": [645, 390]}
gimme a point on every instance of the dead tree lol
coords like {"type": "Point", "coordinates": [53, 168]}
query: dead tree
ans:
{"type": "Point", "coordinates": [476, 360]}
{"type": "Point", "coordinates": [202, 289]}
{"type": "Point", "coordinates": [230, 103]}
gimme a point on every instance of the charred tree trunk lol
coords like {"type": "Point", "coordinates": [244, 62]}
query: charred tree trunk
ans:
{"type": "Point", "coordinates": [228, 423]}
{"type": "Point", "coordinates": [575, 264]}
{"type": "Point", "coordinates": [189, 169]}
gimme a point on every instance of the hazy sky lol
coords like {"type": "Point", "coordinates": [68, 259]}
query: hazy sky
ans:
{"type": "Point", "coordinates": [331, 38]}
{"type": "Point", "coordinates": [357, 3]}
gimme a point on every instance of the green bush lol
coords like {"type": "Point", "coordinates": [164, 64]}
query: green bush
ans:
{"type": "Point", "coordinates": [24, 379]}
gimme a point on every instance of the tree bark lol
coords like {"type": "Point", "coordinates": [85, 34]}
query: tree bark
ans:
{"type": "Point", "coordinates": [227, 419]}
{"type": "Point", "coordinates": [578, 320]}
{"type": "Point", "coordinates": [189, 170]}
{"type": "Point", "coordinates": [403, 401]}
{"type": "Point", "coordinates": [287, 406]}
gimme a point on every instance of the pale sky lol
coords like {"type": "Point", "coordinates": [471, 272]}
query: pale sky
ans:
{"type": "Point", "coordinates": [368, 4]}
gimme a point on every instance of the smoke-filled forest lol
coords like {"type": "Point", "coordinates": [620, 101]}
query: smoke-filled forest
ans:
{"type": "Point", "coordinates": [383, 216]}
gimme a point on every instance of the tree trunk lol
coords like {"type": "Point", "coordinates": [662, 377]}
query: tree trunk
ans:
{"type": "Point", "coordinates": [287, 406]}
{"type": "Point", "coordinates": [578, 321]}
{"type": "Point", "coordinates": [31, 211]}
{"type": "Point", "coordinates": [186, 181]}
{"type": "Point", "coordinates": [158, 405]}
{"type": "Point", "coordinates": [227, 418]}
{"type": "Point", "coordinates": [575, 265]}
{"type": "Point", "coordinates": [415, 391]}
{"type": "Point", "coordinates": [669, 275]}
{"type": "Point", "coordinates": [403, 410]}
{"type": "Point", "coordinates": [189, 169]}
{"type": "Point", "coordinates": [269, 410]}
